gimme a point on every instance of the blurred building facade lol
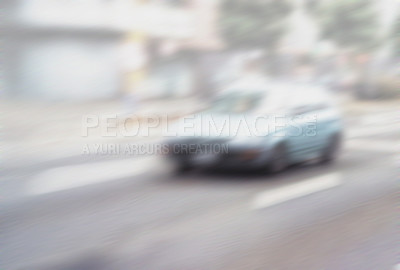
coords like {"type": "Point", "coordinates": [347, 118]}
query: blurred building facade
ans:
{"type": "Point", "coordinates": [60, 50]}
{"type": "Point", "coordinates": [97, 49]}
{"type": "Point", "coordinates": [101, 49]}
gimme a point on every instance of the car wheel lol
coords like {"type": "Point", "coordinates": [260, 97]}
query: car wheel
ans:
{"type": "Point", "coordinates": [279, 159]}
{"type": "Point", "coordinates": [182, 167]}
{"type": "Point", "coordinates": [330, 153]}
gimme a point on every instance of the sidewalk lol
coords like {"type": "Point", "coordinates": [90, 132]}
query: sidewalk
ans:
{"type": "Point", "coordinates": [38, 131]}
{"type": "Point", "coordinates": [352, 107]}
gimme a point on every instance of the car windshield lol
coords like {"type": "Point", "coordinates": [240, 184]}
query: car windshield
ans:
{"type": "Point", "coordinates": [236, 103]}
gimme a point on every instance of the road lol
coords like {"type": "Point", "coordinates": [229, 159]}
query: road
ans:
{"type": "Point", "coordinates": [119, 212]}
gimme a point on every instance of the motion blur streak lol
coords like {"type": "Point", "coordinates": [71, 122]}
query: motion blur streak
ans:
{"type": "Point", "coordinates": [199, 134]}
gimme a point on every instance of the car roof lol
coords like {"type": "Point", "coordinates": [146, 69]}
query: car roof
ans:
{"type": "Point", "coordinates": [293, 94]}
{"type": "Point", "coordinates": [247, 85]}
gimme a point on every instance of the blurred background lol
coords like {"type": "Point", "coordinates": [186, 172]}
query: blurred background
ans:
{"type": "Point", "coordinates": [70, 201]}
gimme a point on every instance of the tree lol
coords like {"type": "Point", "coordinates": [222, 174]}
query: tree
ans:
{"type": "Point", "coordinates": [248, 24]}
{"type": "Point", "coordinates": [351, 24]}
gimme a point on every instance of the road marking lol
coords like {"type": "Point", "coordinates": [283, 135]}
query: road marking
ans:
{"type": "Point", "coordinates": [68, 177]}
{"type": "Point", "coordinates": [283, 194]}
{"type": "Point", "coordinates": [397, 267]}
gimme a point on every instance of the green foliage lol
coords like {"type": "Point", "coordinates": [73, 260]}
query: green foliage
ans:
{"type": "Point", "coordinates": [351, 24]}
{"type": "Point", "coordinates": [253, 23]}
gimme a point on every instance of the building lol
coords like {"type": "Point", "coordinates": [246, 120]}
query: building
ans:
{"type": "Point", "coordinates": [96, 49]}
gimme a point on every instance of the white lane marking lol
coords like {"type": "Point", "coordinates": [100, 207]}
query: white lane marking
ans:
{"type": "Point", "coordinates": [396, 267]}
{"type": "Point", "coordinates": [68, 177]}
{"type": "Point", "coordinates": [373, 145]}
{"type": "Point", "coordinates": [283, 194]}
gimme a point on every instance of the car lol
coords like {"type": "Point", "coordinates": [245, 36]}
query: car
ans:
{"type": "Point", "coordinates": [265, 126]}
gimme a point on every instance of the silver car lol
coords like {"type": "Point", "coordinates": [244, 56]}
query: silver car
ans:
{"type": "Point", "coordinates": [265, 126]}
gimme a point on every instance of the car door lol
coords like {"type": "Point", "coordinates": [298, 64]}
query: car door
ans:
{"type": "Point", "coordinates": [302, 132]}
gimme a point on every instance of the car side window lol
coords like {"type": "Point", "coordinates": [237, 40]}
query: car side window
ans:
{"type": "Point", "coordinates": [308, 108]}
{"type": "Point", "coordinates": [321, 106]}
{"type": "Point", "coordinates": [299, 110]}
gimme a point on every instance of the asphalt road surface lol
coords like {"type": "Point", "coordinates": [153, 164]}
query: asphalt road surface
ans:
{"type": "Point", "coordinates": [118, 212]}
